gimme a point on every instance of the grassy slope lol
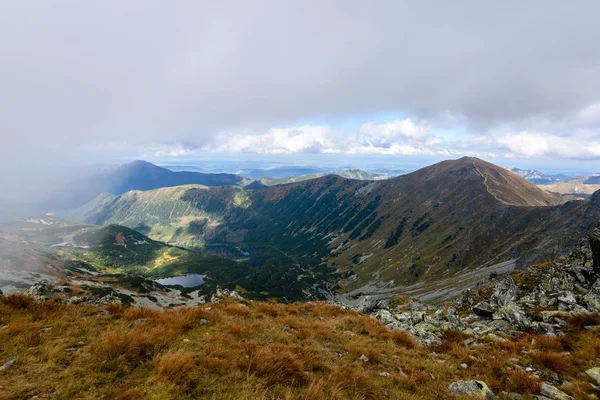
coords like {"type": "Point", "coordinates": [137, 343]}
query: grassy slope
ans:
{"type": "Point", "coordinates": [251, 350]}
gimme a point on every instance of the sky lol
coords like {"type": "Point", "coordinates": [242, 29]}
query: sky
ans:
{"type": "Point", "coordinates": [90, 82]}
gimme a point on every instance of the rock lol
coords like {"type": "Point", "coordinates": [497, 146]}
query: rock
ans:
{"type": "Point", "coordinates": [111, 298]}
{"type": "Point", "coordinates": [483, 309]}
{"type": "Point", "coordinates": [385, 374]}
{"type": "Point", "coordinates": [363, 358]}
{"type": "Point", "coordinates": [464, 366]}
{"type": "Point", "coordinates": [497, 338]}
{"type": "Point", "coordinates": [7, 365]}
{"type": "Point", "coordinates": [186, 340]}
{"type": "Point", "coordinates": [475, 388]}
{"type": "Point", "coordinates": [40, 291]}
{"type": "Point", "coordinates": [566, 297]}
{"type": "Point", "coordinates": [553, 393]}
{"type": "Point", "coordinates": [367, 305]}
{"type": "Point", "coordinates": [76, 300]}
{"type": "Point", "coordinates": [203, 321]}
{"type": "Point", "coordinates": [385, 316]}
{"type": "Point", "coordinates": [504, 292]}
{"type": "Point", "coordinates": [594, 373]}
{"type": "Point", "coordinates": [594, 240]}
{"type": "Point", "coordinates": [592, 298]}
{"type": "Point", "coordinates": [140, 321]}
{"type": "Point", "coordinates": [514, 396]}
{"type": "Point", "coordinates": [512, 313]}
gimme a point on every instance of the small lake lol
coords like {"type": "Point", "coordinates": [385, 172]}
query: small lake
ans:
{"type": "Point", "coordinates": [192, 280]}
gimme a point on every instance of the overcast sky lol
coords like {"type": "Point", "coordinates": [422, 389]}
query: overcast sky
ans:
{"type": "Point", "coordinates": [98, 81]}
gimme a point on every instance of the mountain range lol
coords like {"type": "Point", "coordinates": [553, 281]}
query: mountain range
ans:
{"type": "Point", "coordinates": [425, 226]}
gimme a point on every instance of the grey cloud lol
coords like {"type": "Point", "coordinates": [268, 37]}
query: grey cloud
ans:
{"type": "Point", "coordinates": [77, 73]}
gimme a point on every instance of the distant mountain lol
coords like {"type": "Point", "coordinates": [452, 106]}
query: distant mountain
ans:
{"type": "Point", "coordinates": [361, 175]}
{"type": "Point", "coordinates": [137, 175]}
{"type": "Point", "coordinates": [358, 174]}
{"type": "Point", "coordinates": [533, 176]}
{"type": "Point", "coordinates": [280, 172]}
{"type": "Point", "coordinates": [592, 180]}
{"type": "Point", "coordinates": [421, 226]}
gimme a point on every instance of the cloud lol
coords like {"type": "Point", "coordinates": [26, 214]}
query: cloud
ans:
{"type": "Point", "coordinates": [581, 145]}
{"type": "Point", "coordinates": [405, 137]}
{"type": "Point", "coordinates": [166, 79]}
{"type": "Point", "coordinates": [389, 132]}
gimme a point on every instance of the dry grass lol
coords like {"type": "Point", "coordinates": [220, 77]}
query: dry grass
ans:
{"type": "Point", "coordinates": [253, 350]}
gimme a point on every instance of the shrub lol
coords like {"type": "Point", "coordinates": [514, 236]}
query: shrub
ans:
{"type": "Point", "coordinates": [276, 364]}
{"type": "Point", "coordinates": [174, 365]}
{"type": "Point", "coordinates": [522, 382]}
{"type": "Point", "coordinates": [402, 338]}
{"type": "Point", "coordinates": [17, 301]}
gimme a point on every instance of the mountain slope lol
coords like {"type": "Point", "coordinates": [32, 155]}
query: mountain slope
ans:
{"type": "Point", "coordinates": [47, 245]}
{"type": "Point", "coordinates": [426, 225]}
{"type": "Point", "coordinates": [137, 175]}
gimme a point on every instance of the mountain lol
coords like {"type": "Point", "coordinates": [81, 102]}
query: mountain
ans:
{"type": "Point", "coordinates": [580, 186]}
{"type": "Point", "coordinates": [426, 226]}
{"type": "Point", "coordinates": [361, 175]}
{"type": "Point", "coordinates": [533, 176]}
{"type": "Point", "coordinates": [357, 174]}
{"type": "Point", "coordinates": [137, 175]}
{"type": "Point", "coordinates": [592, 180]}
{"type": "Point", "coordinates": [280, 172]}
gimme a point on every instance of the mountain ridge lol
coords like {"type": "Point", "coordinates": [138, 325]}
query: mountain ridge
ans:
{"type": "Point", "coordinates": [421, 226]}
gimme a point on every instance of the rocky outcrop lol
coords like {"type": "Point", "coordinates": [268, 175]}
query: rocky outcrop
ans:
{"type": "Point", "coordinates": [40, 291]}
{"type": "Point", "coordinates": [221, 293]}
{"type": "Point", "coordinates": [506, 305]}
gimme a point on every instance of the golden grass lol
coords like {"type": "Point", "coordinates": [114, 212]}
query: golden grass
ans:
{"type": "Point", "coordinates": [254, 350]}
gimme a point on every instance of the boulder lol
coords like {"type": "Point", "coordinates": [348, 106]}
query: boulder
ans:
{"type": "Point", "coordinates": [594, 373]}
{"type": "Point", "coordinates": [40, 291]}
{"type": "Point", "coordinates": [553, 393]}
{"type": "Point", "coordinates": [512, 313]}
{"type": "Point", "coordinates": [504, 292]}
{"type": "Point", "coordinates": [367, 305]}
{"type": "Point", "coordinates": [592, 298]}
{"type": "Point", "coordinates": [473, 388]}
{"type": "Point", "coordinates": [483, 309]}
{"type": "Point", "coordinates": [594, 239]}
{"type": "Point", "coordinates": [385, 316]}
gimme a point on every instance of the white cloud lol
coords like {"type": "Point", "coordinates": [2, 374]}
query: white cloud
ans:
{"type": "Point", "coordinates": [390, 132]}
{"type": "Point", "coordinates": [403, 137]}
{"type": "Point", "coordinates": [302, 139]}
{"type": "Point", "coordinates": [580, 145]}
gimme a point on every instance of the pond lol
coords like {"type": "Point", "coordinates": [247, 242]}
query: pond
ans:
{"type": "Point", "coordinates": [192, 280]}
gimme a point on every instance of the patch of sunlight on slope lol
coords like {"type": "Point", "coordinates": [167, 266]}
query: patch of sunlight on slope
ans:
{"type": "Point", "coordinates": [163, 259]}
